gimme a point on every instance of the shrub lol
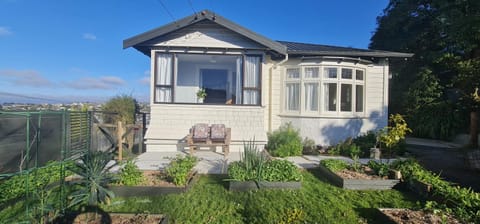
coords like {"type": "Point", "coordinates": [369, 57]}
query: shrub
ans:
{"type": "Point", "coordinates": [281, 170]}
{"type": "Point", "coordinates": [130, 175]}
{"type": "Point", "coordinates": [179, 169]}
{"type": "Point", "coordinates": [285, 141]}
{"type": "Point", "coordinates": [365, 142]}
{"type": "Point", "coordinates": [334, 164]}
{"type": "Point", "coordinates": [345, 148]}
{"type": "Point", "coordinates": [380, 169]}
{"type": "Point", "coordinates": [124, 106]}
{"type": "Point", "coordinates": [391, 135]}
{"type": "Point", "coordinates": [309, 146]}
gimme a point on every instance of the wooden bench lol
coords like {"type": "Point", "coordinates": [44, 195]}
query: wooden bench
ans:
{"type": "Point", "coordinates": [202, 135]}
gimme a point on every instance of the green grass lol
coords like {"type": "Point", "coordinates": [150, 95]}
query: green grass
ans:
{"type": "Point", "coordinates": [209, 201]}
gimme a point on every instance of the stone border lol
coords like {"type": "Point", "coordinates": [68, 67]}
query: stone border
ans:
{"type": "Point", "coordinates": [252, 185]}
{"type": "Point", "coordinates": [357, 184]}
{"type": "Point", "coordinates": [139, 191]}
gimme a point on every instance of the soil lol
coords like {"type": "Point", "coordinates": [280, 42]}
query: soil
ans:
{"type": "Point", "coordinates": [93, 218]}
{"type": "Point", "coordinates": [407, 216]}
{"type": "Point", "coordinates": [155, 178]}
{"type": "Point", "coordinates": [367, 174]}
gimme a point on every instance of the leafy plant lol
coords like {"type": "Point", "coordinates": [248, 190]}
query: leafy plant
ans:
{"type": "Point", "coordinates": [345, 148]}
{"type": "Point", "coordinates": [309, 146]}
{"type": "Point", "coordinates": [281, 170]}
{"type": "Point", "coordinates": [356, 165]}
{"type": "Point", "coordinates": [124, 107]}
{"type": "Point", "coordinates": [380, 169]}
{"type": "Point", "coordinates": [179, 169]}
{"type": "Point", "coordinates": [94, 171]}
{"type": "Point", "coordinates": [201, 93]}
{"type": "Point", "coordinates": [285, 141]}
{"type": "Point", "coordinates": [365, 142]}
{"type": "Point", "coordinates": [391, 135]}
{"type": "Point", "coordinates": [130, 174]}
{"type": "Point", "coordinates": [334, 164]}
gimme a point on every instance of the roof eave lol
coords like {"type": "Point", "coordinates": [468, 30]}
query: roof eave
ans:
{"type": "Point", "coordinates": [204, 15]}
{"type": "Point", "coordinates": [353, 53]}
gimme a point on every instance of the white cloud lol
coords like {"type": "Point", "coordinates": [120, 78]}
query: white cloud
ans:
{"type": "Point", "coordinates": [145, 80]}
{"type": "Point", "coordinates": [5, 31]}
{"type": "Point", "coordinates": [30, 78]}
{"type": "Point", "coordinates": [104, 82]}
{"type": "Point", "coordinates": [89, 36]}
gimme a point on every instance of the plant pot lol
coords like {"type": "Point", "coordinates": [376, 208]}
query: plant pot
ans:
{"type": "Point", "coordinates": [375, 153]}
{"type": "Point", "coordinates": [200, 100]}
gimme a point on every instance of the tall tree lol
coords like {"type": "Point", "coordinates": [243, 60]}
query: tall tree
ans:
{"type": "Point", "coordinates": [444, 35]}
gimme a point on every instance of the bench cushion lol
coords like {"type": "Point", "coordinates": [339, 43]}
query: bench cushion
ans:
{"type": "Point", "coordinates": [200, 132]}
{"type": "Point", "coordinates": [217, 132]}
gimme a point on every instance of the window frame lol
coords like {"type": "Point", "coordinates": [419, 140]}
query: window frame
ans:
{"type": "Point", "coordinates": [174, 74]}
{"type": "Point", "coordinates": [322, 80]}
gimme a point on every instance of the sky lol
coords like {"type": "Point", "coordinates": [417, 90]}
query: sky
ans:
{"type": "Point", "coordinates": [54, 51]}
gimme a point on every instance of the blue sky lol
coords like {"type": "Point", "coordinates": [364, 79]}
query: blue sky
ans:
{"type": "Point", "coordinates": [71, 50]}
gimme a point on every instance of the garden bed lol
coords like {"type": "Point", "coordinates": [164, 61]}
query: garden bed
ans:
{"type": "Point", "coordinates": [115, 218]}
{"type": "Point", "coordinates": [408, 216]}
{"type": "Point", "coordinates": [154, 184]}
{"type": "Point", "coordinates": [366, 183]}
{"type": "Point", "coordinates": [252, 185]}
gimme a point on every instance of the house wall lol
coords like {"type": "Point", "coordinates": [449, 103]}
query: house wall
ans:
{"type": "Point", "coordinates": [170, 124]}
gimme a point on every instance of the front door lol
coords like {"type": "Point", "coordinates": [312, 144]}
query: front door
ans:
{"type": "Point", "coordinates": [214, 81]}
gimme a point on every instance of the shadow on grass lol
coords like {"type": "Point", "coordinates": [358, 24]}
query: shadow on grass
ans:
{"type": "Point", "coordinates": [373, 216]}
{"type": "Point", "coordinates": [317, 174]}
{"type": "Point", "coordinates": [219, 179]}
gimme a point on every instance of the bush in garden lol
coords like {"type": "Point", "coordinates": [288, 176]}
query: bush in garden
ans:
{"type": "Point", "coordinates": [285, 141]}
{"type": "Point", "coordinates": [345, 148]}
{"type": "Point", "coordinates": [309, 147]}
{"type": "Point", "coordinates": [179, 169]}
{"type": "Point", "coordinates": [334, 164]}
{"type": "Point", "coordinates": [130, 174]}
{"type": "Point", "coordinates": [365, 142]}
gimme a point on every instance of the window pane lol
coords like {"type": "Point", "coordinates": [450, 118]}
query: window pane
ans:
{"type": "Point", "coordinates": [252, 74]}
{"type": "Point", "coordinates": [359, 75]}
{"type": "Point", "coordinates": [163, 94]}
{"type": "Point", "coordinates": [330, 96]}
{"type": "Point", "coordinates": [311, 72]}
{"type": "Point", "coordinates": [311, 96]}
{"type": "Point", "coordinates": [164, 69]}
{"type": "Point", "coordinates": [251, 97]}
{"type": "Point", "coordinates": [346, 97]}
{"type": "Point", "coordinates": [359, 98]}
{"type": "Point", "coordinates": [292, 96]}
{"type": "Point", "coordinates": [293, 73]}
{"type": "Point", "coordinates": [330, 73]}
{"type": "Point", "coordinates": [347, 73]}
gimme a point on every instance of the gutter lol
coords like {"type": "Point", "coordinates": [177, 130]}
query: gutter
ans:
{"type": "Point", "coordinates": [270, 83]}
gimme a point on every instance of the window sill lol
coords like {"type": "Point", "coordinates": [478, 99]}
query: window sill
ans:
{"type": "Point", "coordinates": [208, 104]}
{"type": "Point", "coordinates": [338, 116]}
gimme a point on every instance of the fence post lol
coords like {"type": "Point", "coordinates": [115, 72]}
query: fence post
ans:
{"type": "Point", "coordinates": [119, 137]}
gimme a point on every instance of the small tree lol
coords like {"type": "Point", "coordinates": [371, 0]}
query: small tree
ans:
{"type": "Point", "coordinates": [391, 135]}
{"type": "Point", "coordinates": [124, 107]}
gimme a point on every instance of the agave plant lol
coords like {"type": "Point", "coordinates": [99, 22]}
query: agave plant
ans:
{"type": "Point", "coordinates": [93, 169]}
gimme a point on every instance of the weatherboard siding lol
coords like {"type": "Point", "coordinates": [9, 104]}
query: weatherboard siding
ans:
{"type": "Point", "coordinates": [205, 34]}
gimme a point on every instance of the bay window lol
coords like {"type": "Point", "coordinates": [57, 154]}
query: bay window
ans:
{"type": "Point", "coordinates": [325, 90]}
{"type": "Point", "coordinates": [207, 79]}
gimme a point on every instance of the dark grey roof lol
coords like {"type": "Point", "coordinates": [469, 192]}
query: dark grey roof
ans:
{"type": "Point", "coordinates": [280, 47]}
{"type": "Point", "coordinates": [326, 50]}
{"type": "Point", "coordinates": [204, 15]}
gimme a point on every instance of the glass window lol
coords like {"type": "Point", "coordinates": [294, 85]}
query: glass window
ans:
{"type": "Point", "coordinates": [292, 96]}
{"type": "Point", "coordinates": [359, 75]}
{"type": "Point", "coordinates": [163, 78]}
{"type": "Point", "coordinates": [251, 92]}
{"type": "Point", "coordinates": [311, 96]}
{"type": "Point", "coordinates": [312, 72]}
{"type": "Point", "coordinates": [347, 73]}
{"type": "Point", "coordinates": [330, 96]}
{"type": "Point", "coordinates": [359, 98]}
{"type": "Point", "coordinates": [346, 97]}
{"type": "Point", "coordinates": [330, 73]}
{"type": "Point", "coordinates": [293, 73]}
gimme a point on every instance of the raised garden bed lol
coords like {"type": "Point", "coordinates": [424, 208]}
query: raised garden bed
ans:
{"type": "Point", "coordinates": [252, 185]}
{"type": "Point", "coordinates": [408, 216]}
{"type": "Point", "coordinates": [153, 186]}
{"type": "Point", "coordinates": [116, 218]}
{"type": "Point", "coordinates": [357, 184]}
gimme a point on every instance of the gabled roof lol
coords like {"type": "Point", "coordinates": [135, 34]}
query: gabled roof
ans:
{"type": "Point", "coordinates": [280, 47]}
{"type": "Point", "coordinates": [204, 15]}
{"type": "Point", "coordinates": [326, 50]}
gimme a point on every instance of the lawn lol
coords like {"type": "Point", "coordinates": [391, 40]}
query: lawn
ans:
{"type": "Point", "coordinates": [209, 201]}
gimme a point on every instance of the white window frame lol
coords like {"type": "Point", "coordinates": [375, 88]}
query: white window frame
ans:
{"type": "Point", "coordinates": [321, 80]}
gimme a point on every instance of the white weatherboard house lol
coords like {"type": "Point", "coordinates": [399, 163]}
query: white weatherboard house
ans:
{"type": "Point", "coordinates": [255, 84]}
